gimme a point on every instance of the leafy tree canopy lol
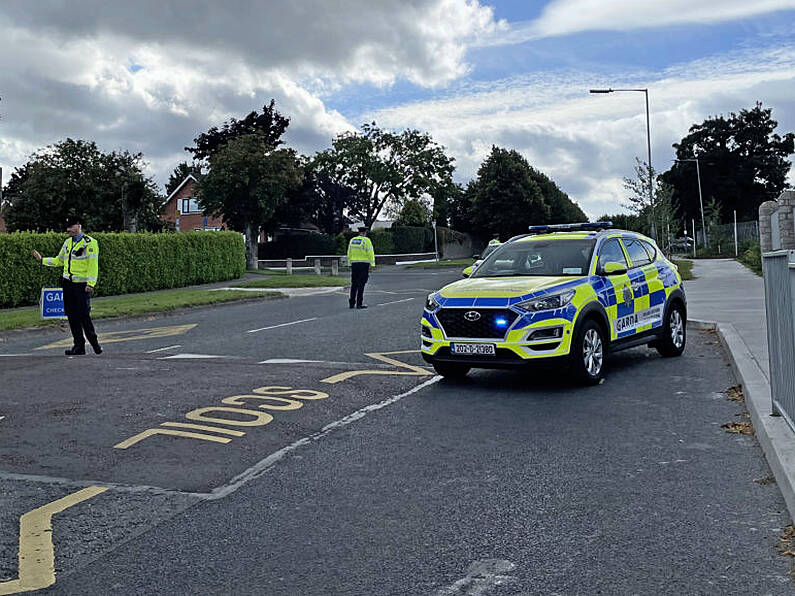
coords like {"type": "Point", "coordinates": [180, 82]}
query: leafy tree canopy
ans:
{"type": "Point", "coordinates": [248, 180]}
{"type": "Point", "coordinates": [507, 196]}
{"type": "Point", "coordinates": [318, 200]}
{"type": "Point", "coordinates": [413, 213]}
{"type": "Point", "coordinates": [74, 177]}
{"type": "Point", "coordinates": [270, 125]}
{"type": "Point", "coordinates": [384, 168]}
{"type": "Point", "coordinates": [742, 162]}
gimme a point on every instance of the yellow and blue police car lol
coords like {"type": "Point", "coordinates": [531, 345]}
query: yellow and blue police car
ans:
{"type": "Point", "coordinates": [571, 293]}
{"type": "Point", "coordinates": [490, 248]}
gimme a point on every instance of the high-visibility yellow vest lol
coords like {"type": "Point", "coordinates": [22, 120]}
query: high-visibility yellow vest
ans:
{"type": "Point", "coordinates": [80, 260]}
{"type": "Point", "coordinates": [360, 250]}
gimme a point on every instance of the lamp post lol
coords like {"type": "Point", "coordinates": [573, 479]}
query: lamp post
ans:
{"type": "Point", "coordinates": [700, 199]}
{"type": "Point", "coordinates": [648, 146]}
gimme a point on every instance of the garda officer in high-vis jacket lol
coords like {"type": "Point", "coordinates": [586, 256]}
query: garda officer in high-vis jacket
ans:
{"type": "Point", "coordinates": [361, 256]}
{"type": "Point", "coordinates": [79, 257]}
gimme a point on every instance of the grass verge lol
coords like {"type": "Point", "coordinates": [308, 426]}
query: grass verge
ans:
{"type": "Point", "coordinates": [266, 271]}
{"type": "Point", "coordinates": [138, 304]}
{"type": "Point", "coordinates": [294, 281]}
{"type": "Point", "coordinates": [451, 263]}
{"type": "Point", "coordinates": [685, 268]}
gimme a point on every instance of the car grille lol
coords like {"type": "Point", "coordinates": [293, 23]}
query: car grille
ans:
{"type": "Point", "coordinates": [455, 324]}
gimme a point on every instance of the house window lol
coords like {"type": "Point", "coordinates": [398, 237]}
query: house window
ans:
{"type": "Point", "coordinates": [190, 205]}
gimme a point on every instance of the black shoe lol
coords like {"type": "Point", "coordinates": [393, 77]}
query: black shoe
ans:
{"type": "Point", "coordinates": [97, 348]}
{"type": "Point", "coordinates": [362, 306]}
{"type": "Point", "coordinates": [350, 306]}
{"type": "Point", "coordinates": [75, 351]}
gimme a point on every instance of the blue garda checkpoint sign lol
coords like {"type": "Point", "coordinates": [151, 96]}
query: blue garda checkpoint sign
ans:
{"type": "Point", "coordinates": [52, 303]}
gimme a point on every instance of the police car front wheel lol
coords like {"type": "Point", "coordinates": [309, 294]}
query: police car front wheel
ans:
{"type": "Point", "coordinates": [674, 335]}
{"type": "Point", "coordinates": [589, 352]}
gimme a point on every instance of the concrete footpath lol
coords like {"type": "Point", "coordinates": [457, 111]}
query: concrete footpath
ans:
{"type": "Point", "coordinates": [727, 296]}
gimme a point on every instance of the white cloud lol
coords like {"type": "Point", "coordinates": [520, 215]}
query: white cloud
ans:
{"type": "Point", "coordinates": [564, 17]}
{"type": "Point", "coordinates": [588, 143]}
{"type": "Point", "coordinates": [65, 68]}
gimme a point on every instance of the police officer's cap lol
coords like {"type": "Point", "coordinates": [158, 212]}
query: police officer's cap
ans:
{"type": "Point", "coordinates": [73, 220]}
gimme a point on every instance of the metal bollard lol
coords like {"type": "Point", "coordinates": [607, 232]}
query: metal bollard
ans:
{"type": "Point", "coordinates": [335, 267]}
{"type": "Point", "coordinates": [289, 266]}
{"type": "Point", "coordinates": [317, 266]}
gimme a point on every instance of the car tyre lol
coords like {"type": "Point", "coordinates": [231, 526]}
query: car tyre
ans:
{"type": "Point", "coordinates": [674, 334]}
{"type": "Point", "coordinates": [451, 370]}
{"type": "Point", "coordinates": [589, 352]}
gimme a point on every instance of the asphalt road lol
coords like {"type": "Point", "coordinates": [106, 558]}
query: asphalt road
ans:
{"type": "Point", "coordinates": [358, 480]}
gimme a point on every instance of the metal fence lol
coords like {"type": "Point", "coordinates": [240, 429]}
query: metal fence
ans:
{"type": "Point", "coordinates": [724, 234]}
{"type": "Point", "coordinates": [779, 270]}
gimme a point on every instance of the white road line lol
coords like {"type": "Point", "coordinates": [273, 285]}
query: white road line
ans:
{"type": "Point", "coordinates": [282, 325]}
{"type": "Point", "coordinates": [395, 302]}
{"type": "Point", "coordinates": [9, 355]}
{"type": "Point", "coordinates": [290, 361]}
{"type": "Point", "coordinates": [164, 349]}
{"type": "Point", "coordinates": [192, 357]}
{"type": "Point", "coordinates": [266, 464]}
{"type": "Point", "coordinates": [2, 417]}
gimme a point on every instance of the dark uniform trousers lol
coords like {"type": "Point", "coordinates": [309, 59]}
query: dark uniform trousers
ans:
{"type": "Point", "coordinates": [77, 304]}
{"type": "Point", "coordinates": [360, 272]}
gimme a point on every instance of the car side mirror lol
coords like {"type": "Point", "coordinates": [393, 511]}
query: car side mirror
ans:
{"type": "Point", "coordinates": [475, 256]}
{"type": "Point", "coordinates": [613, 268]}
{"type": "Point", "coordinates": [467, 272]}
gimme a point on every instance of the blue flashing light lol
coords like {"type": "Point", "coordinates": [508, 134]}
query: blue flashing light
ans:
{"type": "Point", "coordinates": [501, 322]}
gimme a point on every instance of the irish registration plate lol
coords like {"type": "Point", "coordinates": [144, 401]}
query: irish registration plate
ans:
{"type": "Point", "coordinates": [478, 349]}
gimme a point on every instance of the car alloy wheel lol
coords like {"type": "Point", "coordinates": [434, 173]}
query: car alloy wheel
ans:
{"type": "Point", "coordinates": [677, 328]}
{"type": "Point", "coordinates": [592, 352]}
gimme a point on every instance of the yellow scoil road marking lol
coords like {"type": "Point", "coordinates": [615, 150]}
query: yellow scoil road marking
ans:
{"type": "Point", "coordinates": [36, 553]}
{"type": "Point", "coordinates": [131, 335]}
{"type": "Point", "coordinates": [383, 357]}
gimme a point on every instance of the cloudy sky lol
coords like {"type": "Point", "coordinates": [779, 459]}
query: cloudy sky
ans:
{"type": "Point", "coordinates": [152, 74]}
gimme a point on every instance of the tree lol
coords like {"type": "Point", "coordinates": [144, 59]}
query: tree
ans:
{"type": "Point", "coordinates": [413, 213]}
{"type": "Point", "coordinates": [504, 199]}
{"type": "Point", "coordinates": [742, 163]}
{"type": "Point", "coordinates": [73, 177]}
{"type": "Point", "coordinates": [182, 171]}
{"type": "Point", "coordinates": [561, 208]}
{"type": "Point", "coordinates": [318, 200]}
{"type": "Point", "coordinates": [270, 125]}
{"type": "Point", "coordinates": [247, 181]}
{"type": "Point", "coordinates": [623, 221]}
{"type": "Point", "coordinates": [384, 168]}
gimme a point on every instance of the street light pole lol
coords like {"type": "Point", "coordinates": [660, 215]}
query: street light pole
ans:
{"type": "Point", "coordinates": [700, 199]}
{"type": "Point", "coordinates": [648, 148]}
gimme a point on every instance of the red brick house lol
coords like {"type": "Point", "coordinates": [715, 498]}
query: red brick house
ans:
{"type": "Point", "coordinates": [182, 209]}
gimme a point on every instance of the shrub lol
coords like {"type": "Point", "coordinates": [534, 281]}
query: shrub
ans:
{"type": "Point", "coordinates": [127, 262]}
{"type": "Point", "coordinates": [298, 246]}
{"type": "Point", "coordinates": [411, 239]}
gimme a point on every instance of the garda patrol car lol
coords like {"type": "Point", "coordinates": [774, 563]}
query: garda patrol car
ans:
{"type": "Point", "coordinates": [571, 292]}
{"type": "Point", "coordinates": [492, 246]}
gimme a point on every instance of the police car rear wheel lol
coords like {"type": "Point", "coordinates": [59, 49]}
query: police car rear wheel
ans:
{"type": "Point", "coordinates": [450, 370]}
{"type": "Point", "coordinates": [588, 355]}
{"type": "Point", "coordinates": [674, 337]}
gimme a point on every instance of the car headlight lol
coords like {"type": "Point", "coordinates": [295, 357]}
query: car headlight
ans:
{"type": "Point", "coordinates": [550, 302]}
{"type": "Point", "coordinates": [430, 302]}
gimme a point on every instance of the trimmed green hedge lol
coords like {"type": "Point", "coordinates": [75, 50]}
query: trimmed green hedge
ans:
{"type": "Point", "coordinates": [411, 239]}
{"type": "Point", "coordinates": [127, 262]}
{"type": "Point", "coordinates": [298, 246]}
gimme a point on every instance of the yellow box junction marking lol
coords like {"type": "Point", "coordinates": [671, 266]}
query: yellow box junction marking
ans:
{"type": "Point", "coordinates": [36, 552]}
{"type": "Point", "coordinates": [383, 357]}
{"type": "Point", "coordinates": [132, 335]}
{"type": "Point", "coordinates": [250, 417]}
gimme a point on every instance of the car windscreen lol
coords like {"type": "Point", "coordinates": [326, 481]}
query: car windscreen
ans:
{"type": "Point", "coordinates": [539, 258]}
{"type": "Point", "coordinates": [488, 250]}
